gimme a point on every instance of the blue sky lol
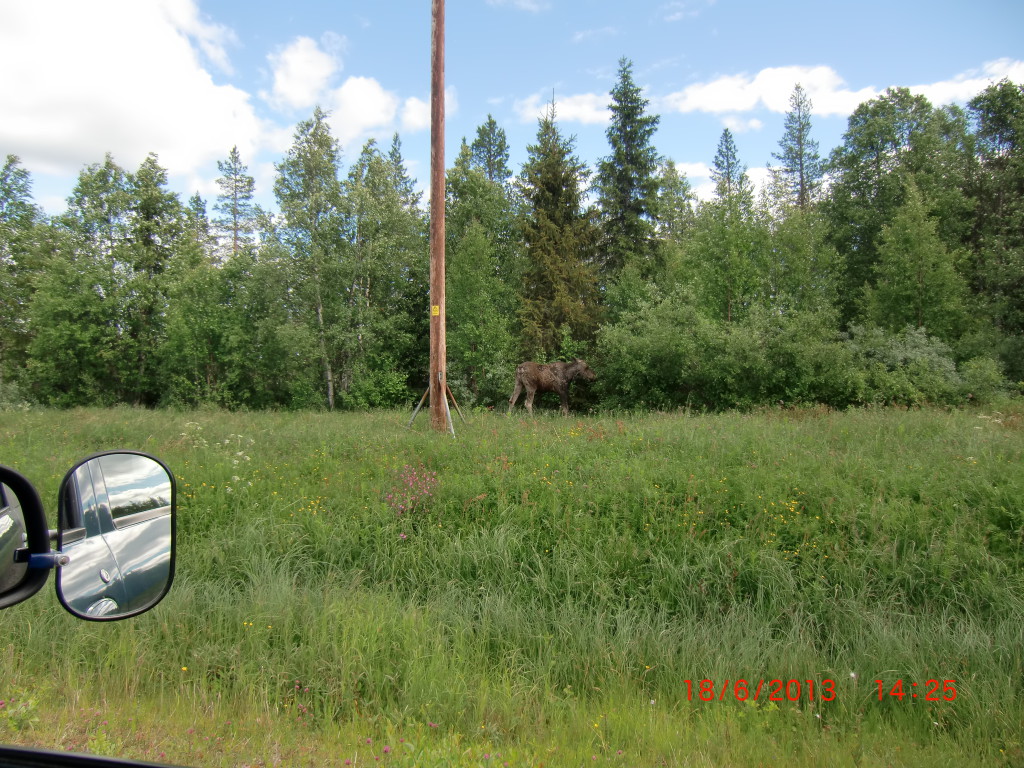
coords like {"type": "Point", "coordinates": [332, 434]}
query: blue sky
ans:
{"type": "Point", "coordinates": [189, 79]}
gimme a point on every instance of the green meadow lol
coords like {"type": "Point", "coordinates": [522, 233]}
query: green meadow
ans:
{"type": "Point", "coordinates": [610, 590]}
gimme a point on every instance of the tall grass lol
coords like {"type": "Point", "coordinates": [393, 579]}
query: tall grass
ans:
{"type": "Point", "coordinates": [545, 588]}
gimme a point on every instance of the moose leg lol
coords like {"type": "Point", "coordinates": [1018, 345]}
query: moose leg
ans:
{"type": "Point", "coordinates": [515, 395]}
{"type": "Point", "coordinates": [564, 395]}
{"type": "Point", "coordinates": [529, 399]}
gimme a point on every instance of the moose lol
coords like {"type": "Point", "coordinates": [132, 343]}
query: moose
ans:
{"type": "Point", "coordinates": [552, 377]}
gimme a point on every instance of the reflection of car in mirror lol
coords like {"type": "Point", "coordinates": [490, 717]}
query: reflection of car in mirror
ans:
{"type": "Point", "coordinates": [116, 530]}
{"type": "Point", "coordinates": [12, 538]}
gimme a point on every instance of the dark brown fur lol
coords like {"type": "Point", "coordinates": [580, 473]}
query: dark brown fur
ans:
{"type": "Point", "coordinates": [552, 377]}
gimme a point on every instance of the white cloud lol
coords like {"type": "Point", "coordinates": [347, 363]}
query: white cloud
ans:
{"type": "Point", "coordinates": [302, 72]}
{"type": "Point", "coordinates": [360, 107]}
{"type": "Point", "coordinates": [211, 38]}
{"type": "Point", "coordinates": [967, 85]}
{"type": "Point", "coordinates": [694, 170]}
{"type": "Point", "coordinates": [704, 191]}
{"type": "Point", "coordinates": [739, 125]}
{"type": "Point", "coordinates": [770, 88]}
{"type": "Point", "coordinates": [586, 108]}
{"type": "Point", "coordinates": [415, 115]}
{"type": "Point", "coordinates": [830, 96]}
{"type": "Point", "coordinates": [122, 76]}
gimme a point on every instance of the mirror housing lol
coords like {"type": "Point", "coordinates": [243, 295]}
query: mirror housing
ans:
{"type": "Point", "coordinates": [116, 529]}
{"type": "Point", "coordinates": [23, 533]}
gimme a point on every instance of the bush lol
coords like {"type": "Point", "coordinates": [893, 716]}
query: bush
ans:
{"type": "Point", "coordinates": [906, 368]}
{"type": "Point", "coordinates": [667, 354]}
{"type": "Point", "coordinates": [983, 380]}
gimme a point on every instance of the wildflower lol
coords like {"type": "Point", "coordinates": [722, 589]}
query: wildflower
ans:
{"type": "Point", "coordinates": [387, 749]}
{"type": "Point", "coordinates": [402, 536]}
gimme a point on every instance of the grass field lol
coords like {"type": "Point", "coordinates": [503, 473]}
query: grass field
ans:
{"type": "Point", "coordinates": [548, 591]}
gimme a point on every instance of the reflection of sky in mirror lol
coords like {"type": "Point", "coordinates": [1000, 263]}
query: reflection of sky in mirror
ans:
{"type": "Point", "coordinates": [135, 481]}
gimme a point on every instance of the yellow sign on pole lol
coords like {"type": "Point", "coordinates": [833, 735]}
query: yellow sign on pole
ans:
{"type": "Point", "coordinates": [435, 311]}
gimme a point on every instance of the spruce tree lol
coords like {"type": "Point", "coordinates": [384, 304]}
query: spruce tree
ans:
{"type": "Point", "coordinates": [728, 173]}
{"type": "Point", "coordinates": [490, 151]}
{"type": "Point", "coordinates": [559, 289]}
{"type": "Point", "coordinates": [626, 180]}
{"type": "Point", "coordinates": [237, 220]}
{"type": "Point", "coordinates": [802, 167]}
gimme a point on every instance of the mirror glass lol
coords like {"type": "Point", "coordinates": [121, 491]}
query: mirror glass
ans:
{"type": "Point", "coordinates": [116, 523]}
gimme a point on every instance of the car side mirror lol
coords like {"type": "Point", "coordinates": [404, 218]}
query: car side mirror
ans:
{"type": "Point", "coordinates": [116, 530]}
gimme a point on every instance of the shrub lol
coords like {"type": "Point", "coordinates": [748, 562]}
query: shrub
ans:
{"type": "Point", "coordinates": [906, 368]}
{"type": "Point", "coordinates": [983, 380]}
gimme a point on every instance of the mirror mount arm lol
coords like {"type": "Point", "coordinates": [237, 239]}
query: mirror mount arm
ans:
{"type": "Point", "coordinates": [41, 560]}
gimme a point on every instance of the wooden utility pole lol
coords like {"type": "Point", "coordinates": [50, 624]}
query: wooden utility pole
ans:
{"type": "Point", "coordinates": [440, 417]}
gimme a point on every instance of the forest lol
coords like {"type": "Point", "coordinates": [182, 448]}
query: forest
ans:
{"type": "Point", "coordinates": [890, 271]}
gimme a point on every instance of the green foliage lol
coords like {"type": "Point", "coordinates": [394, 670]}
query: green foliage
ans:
{"type": "Point", "coordinates": [482, 272]}
{"type": "Point", "coordinates": [890, 139]}
{"type": "Point", "coordinates": [916, 282]}
{"type": "Point", "coordinates": [905, 368]}
{"type": "Point", "coordinates": [669, 354]}
{"type": "Point", "coordinates": [983, 380]}
{"type": "Point", "coordinates": [802, 270]}
{"type": "Point", "coordinates": [97, 321]}
{"type": "Point", "coordinates": [22, 229]}
{"type": "Point", "coordinates": [725, 256]}
{"type": "Point", "coordinates": [997, 242]}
